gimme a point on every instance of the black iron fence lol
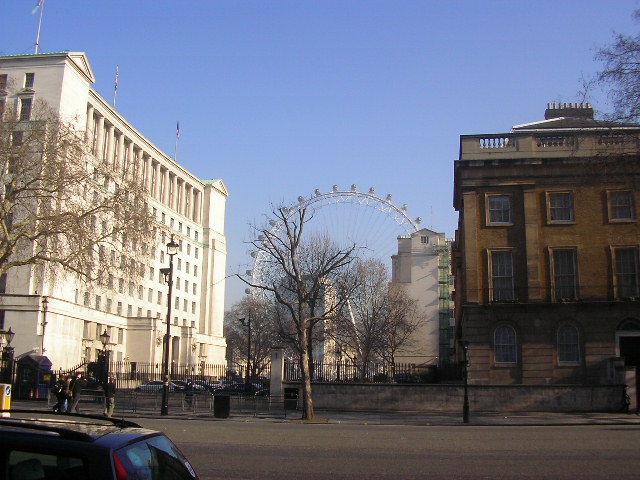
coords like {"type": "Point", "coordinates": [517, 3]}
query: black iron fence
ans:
{"type": "Point", "coordinates": [375, 372]}
{"type": "Point", "coordinates": [132, 374]}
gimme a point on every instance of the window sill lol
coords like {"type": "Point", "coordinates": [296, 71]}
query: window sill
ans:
{"type": "Point", "coordinates": [500, 224]}
{"type": "Point", "coordinates": [622, 220]}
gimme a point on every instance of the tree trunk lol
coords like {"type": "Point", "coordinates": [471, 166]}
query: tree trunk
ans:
{"type": "Point", "coordinates": [307, 399]}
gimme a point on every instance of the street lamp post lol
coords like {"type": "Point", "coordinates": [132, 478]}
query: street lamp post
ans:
{"type": "Point", "coordinates": [7, 355]}
{"type": "Point", "coordinates": [465, 405]}
{"type": "Point", "coordinates": [104, 358]}
{"type": "Point", "coordinates": [172, 249]}
{"type": "Point", "coordinates": [247, 323]}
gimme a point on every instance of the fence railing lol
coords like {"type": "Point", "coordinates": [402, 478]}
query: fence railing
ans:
{"type": "Point", "coordinates": [132, 374]}
{"type": "Point", "coordinates": [375, 372]}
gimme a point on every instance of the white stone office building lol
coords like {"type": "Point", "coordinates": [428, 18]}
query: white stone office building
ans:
{"type": "Point", "coordinates": [422, 268]}
{"type": "Point", "coordinates": [63, 320]}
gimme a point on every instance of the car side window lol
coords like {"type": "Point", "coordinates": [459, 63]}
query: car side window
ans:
{"type": "Point", "coordinates": [25, 465]}
{"type": "Point", "coordinates": [154, 458]}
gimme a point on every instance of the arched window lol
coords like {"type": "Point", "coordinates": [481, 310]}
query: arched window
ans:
{"type": "Point", "coordinates": [568, 344]}
{"type": "Point", "coordinates": [505, 345]}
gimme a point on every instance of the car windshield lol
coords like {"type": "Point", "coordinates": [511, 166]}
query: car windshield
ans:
{"type": "Point", "coordinates": [154, 458]}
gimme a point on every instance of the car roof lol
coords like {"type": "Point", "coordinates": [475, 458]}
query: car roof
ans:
{"type": "Point", "coordinates": [93, 429]}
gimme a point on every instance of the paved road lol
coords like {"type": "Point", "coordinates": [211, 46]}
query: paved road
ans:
{"type": "Point", "coordinates": [286, 450]}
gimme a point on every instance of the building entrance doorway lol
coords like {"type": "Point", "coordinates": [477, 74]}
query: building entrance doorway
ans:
{"type": "Point", "coordinates": [630, 350]}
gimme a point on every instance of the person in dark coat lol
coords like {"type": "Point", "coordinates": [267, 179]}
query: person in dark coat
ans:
{"type": "Point", "coordinates": [61, 397]}
{"type": "Point", "coordinates": [188, 393]}
{"type": "Point", "coordinates": [76, 388]}
{"type": "Point", "coordinates": [67, 392]}
{"type": "Point", "coordinates": [110, 397]}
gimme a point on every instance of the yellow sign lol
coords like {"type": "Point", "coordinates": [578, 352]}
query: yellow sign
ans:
{"type": "Point", "coordinates": [5, 398]}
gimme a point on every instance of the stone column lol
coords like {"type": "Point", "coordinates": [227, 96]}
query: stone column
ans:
{"type": "Point", "coordinates": [156, 184]}
{"type": "Point", "coordinates": [88, 129]}
{"type": "Point", "coordinates": [110, 141]}
{"type": "Point", "coordinates": [117, 161]}
{"type": "Point", "coordinates": [277, 371]}
{"type": "Point", "coordinates": [186, 205]}
{"type": "Point", "coordinates": [146, 162]}
{"type": "Point", "coordinates": [197, 211]}
{"type": "Point", "coordinates": [174, 193]}
{"type": "Point", "coordinates": [99, 138]}
{"type": "Point", "coordinates": [129, 161]}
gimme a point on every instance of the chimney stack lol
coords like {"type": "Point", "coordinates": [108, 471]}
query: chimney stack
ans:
{"type": "Point", "coordinates": [571, 110]}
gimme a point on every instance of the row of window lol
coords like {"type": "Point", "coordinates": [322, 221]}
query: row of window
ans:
{"type": "Point", "coordinates": [564, 274]}
{"type": "Point", "coordinates": [560, 207]}
{"type": "Point", "coordinates": [94, 330]}
{"type": "Point", "coordinates": [188, 306]}
{"type": "Point", "coordinates": [505, 345]}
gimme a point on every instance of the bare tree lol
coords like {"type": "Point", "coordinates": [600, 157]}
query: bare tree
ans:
{"type": "Point", "coordinates": [261, 313]}
{"type": "Point", "coordinates": [621, 75]}
{"type": "Point", "coordinates": [401, 320]}
{"type": "Point", "coordinates": [378, 319]}
{"type": "Point", "coordinates": [306, 277]}
{"type": "Point", "coordinates": [357, 331]}
{"type": "Point", "coordinates": [61, 207]}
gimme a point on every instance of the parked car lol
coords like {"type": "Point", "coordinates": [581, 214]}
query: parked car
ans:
{"type": "Point", "coordinates": [183, 386]}
{"type": "Point", "coordinates": [211, 386]}
{"type": "Point", "coordinates": [156, 386]}
{"type": "Point", "coordinates": [406, 378]}
{"type": "Point", "coordinates": [41, 445]}
{"type": "Point", "coordinates": [238, 389]}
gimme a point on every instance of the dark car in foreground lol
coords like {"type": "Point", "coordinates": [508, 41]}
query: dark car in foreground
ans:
{"type": "Point", "coordinates": [38, 445]}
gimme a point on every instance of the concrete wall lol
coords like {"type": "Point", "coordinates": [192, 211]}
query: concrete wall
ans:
{"type": "Point", "coordinates": [482, 398]}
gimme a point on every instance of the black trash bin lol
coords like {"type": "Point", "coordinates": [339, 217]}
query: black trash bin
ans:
{"type": "Point", "coordinates": [290, 398]}
{"type": "Point", "coordinates": [221, 406]}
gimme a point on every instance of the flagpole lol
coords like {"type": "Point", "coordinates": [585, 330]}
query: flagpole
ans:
{"type": "Point", "coordinates": [115, 90]}
{"type": "Point", "coordinates": [41, 5]}
{"type": "Point", "coordinates": [175, 154]}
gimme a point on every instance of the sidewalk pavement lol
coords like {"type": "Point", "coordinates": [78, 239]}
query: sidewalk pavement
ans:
{"type": "Point", "coordinates": [372, 418]}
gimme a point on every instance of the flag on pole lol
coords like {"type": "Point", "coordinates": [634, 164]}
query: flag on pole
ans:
{"type": "Point", "coordinates": [117, 77]}
{"type": "Point", "coordinates": [37, 7]}
{"type": "Point", "coordinates": [177, 129]}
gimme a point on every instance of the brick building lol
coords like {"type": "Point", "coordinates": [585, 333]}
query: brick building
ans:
{"type": "Point", "coordinates": [546, 251]}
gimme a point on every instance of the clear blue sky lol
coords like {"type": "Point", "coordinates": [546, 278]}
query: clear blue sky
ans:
{"type": "Point", "coordinates": [279, 97]}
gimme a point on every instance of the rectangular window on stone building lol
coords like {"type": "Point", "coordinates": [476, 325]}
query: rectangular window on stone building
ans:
{"type": "Point", "coordinates": [621, 206]}
{"type": "Point", "coordinates": [626, 272]}
{"type": "Point", "coordinates": [501, 276]}
{"type": "Point", "coordinates": [498, 209]}
{"type": "Point", "coordinates": [25, 109]}
{"type": "Point", "coordinates": [564, 273]}
{"type": "Point", "coordinates": [29, 79]}
{"type": "Point", "coordinates": [560, 207]}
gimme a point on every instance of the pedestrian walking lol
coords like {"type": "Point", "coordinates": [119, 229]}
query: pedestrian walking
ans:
{"type": "Point", "coordinates": [57, 389]}
{"type": "Point", "coordinates": [188, 393]}
{"type": "Point", "coordinates": [110, 397]}
{"type": "Point", "coordinates": [67, 392]}
{"type": "Point", "coordinates": [77, 385]}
